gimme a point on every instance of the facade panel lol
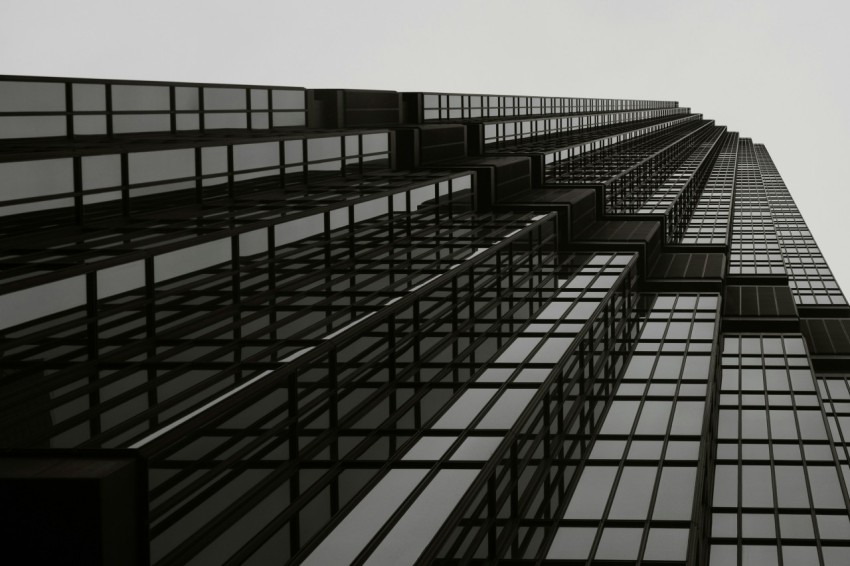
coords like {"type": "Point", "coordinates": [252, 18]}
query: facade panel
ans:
{"type": "Point", "coordinates": [369, 327]}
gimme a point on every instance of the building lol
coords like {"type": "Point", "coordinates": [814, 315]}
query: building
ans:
{"type": "Point", "coordinates": [262, 325]}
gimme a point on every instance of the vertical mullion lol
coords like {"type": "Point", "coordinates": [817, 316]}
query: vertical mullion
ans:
{"type": "Point", "coordinates": [92, 350]}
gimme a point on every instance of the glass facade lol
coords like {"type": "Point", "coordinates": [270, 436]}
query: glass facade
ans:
{"type": "Point", "coordinates": [368, 327]}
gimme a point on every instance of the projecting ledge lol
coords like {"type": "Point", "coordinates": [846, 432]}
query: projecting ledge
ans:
{"type": "Point", "coordinates": [828, 341]}
{"type": "Point", "coordinates": [639, 236]}
{"type": "Point", "coordinates": [738, 324]}
{"type": "Point", "coordinates": [73, 507]}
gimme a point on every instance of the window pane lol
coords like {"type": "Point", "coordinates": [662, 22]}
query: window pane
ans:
{"type": "Point", "coordinates": [591, 494]}
{"type": "Point", "coordinates": [757, 487]}
{"type": "Point", "coordinates": [676, 492]}
{"type": "Point", "coordinates": [634, 493]}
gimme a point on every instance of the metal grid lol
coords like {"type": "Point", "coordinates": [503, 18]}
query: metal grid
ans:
{"type": "Point", "coordinates": [558, 149]}
{"type": "Point", "coordinates": [631, 170]}
{"type": "Point", "coordinates": [636, 490]}
{"type": "Point", "coordinates": [755, 248]}
{"type": "Point", "coordinates": [325, 361]}
{"type": "Point", "coordinates": [185, 324]}
{"type": "Point", "coordinates": [327, 422]}
{"type": "Point", "coordinates": [43, 107]}
{"type": "Point", "coordinates": [778, 486]}
{"type": "Point", "coordinates": [709, 223]}
{"type": "Point", "coordinates": [574, 349]}
{"type": "Point", "coordinates": [505, 132]}
{"type": "Point", "coordinates": [676, 197]}
{"type": "Point", "coordinates": [445, 106]}
{"type": "Point", "coordinates": [79, 182]}
{"type": "Point", "coordinates": [809, 277]}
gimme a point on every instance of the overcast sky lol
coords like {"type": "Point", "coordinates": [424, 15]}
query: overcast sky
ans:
{"type": "Point", "coordinates": [775, 71]}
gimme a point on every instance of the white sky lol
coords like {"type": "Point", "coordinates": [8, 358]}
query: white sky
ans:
{"type": "Point", "coordinates": [773, 70]}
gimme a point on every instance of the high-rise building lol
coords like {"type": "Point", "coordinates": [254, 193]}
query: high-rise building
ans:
{"type": "Point", "coordinates": [268, 325]}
